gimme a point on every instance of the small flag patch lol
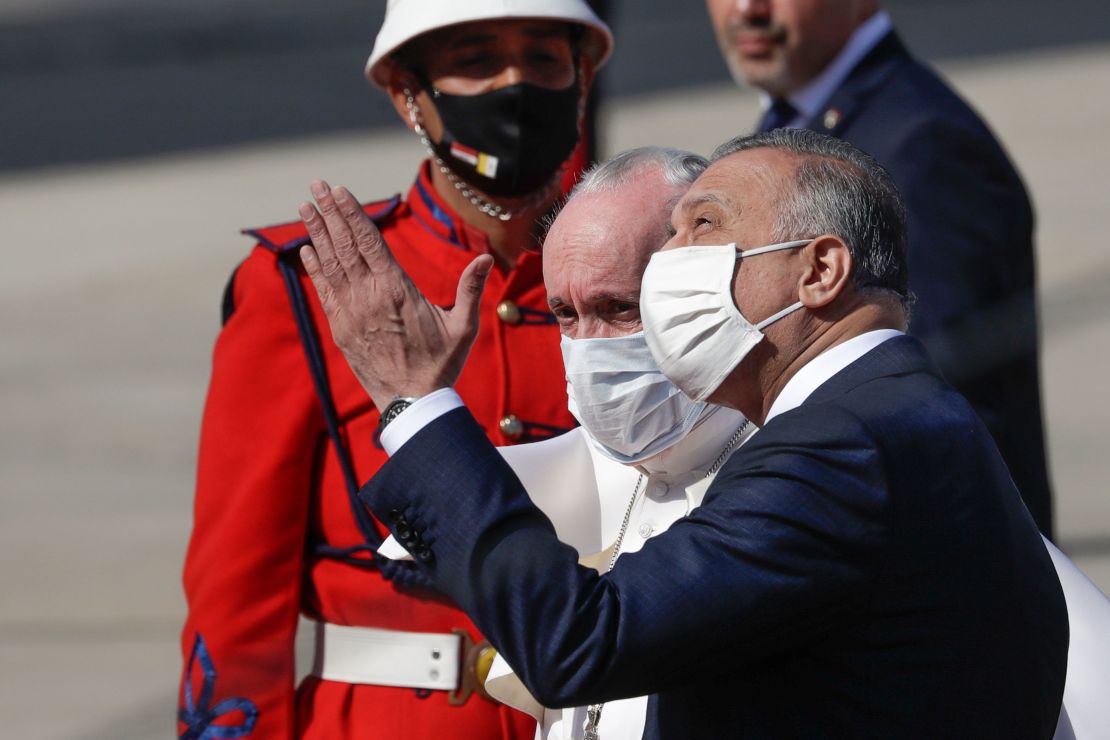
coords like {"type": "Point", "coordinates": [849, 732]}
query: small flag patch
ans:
{"type": "Point", "coordinates": [465, 153]}
{"type": "Point", "coordinates": [485, 164]}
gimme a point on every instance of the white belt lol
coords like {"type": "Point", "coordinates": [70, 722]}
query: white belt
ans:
{"type": "Point", "coordinates": [367, 655]}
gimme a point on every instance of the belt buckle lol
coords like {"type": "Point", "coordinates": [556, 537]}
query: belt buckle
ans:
{"type": "Point", "coordinates": [476, 659]}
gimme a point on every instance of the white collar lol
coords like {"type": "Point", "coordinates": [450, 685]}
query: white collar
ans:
{"type": "Point", "coordinates": [810, 98]}
{"type": "Point", "coordinates": [692, 457]}
{"type": "Point", "coordinates": [824, 366]}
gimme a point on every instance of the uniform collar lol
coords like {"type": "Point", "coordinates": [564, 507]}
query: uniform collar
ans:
{"type": "Point", "coordinates": [438, 217]}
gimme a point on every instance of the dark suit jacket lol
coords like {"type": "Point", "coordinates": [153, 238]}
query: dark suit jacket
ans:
{"type": "Point", "coordinates": [970, 246]}
{"type": "Point", "coordinates": [863, 567]}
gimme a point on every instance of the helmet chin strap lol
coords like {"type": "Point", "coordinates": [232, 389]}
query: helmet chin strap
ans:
{"type": "Point", "coordinates": [482, 204]}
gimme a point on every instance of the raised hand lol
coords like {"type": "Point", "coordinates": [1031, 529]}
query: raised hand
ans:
{"type": "Point", "coordinates": [396, 342]}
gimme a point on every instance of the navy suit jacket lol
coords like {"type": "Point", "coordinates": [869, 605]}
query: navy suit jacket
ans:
{"type": "Point", "coordinates": [863, 567]}
{"type": "Point", "coordinates": [971, 262]}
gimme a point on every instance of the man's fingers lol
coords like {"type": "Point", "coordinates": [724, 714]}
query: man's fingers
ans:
{"type": "Point", "coordinates": [321, 242]}
{"type": "Point", "coordinates": [312, 266]}
{"type": "Point", "coordinates": [339, 232]}
{"type": "Point", "coordinates": [468, 296]}
{"type": "Point", "coordinates": [368, 239]}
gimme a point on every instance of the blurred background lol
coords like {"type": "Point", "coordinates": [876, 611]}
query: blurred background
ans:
{"type": "Point", "coordinates": [137, 138]}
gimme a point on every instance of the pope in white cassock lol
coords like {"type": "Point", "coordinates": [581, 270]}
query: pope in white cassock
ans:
{"type": "Point", "coordinates": [645, 453]}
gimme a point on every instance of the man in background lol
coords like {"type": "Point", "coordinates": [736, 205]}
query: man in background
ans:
{"type": "Point", "coordinates": [288, 434]}
{"type": "Point", "coordinates": [838, 67]}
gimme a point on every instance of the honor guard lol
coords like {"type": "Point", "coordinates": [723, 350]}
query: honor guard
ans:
{"type": "Point", "coordinates": [495, 91]}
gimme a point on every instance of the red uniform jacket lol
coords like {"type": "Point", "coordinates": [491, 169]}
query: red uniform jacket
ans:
{"type": "Point", "coordinates": [271, 492]}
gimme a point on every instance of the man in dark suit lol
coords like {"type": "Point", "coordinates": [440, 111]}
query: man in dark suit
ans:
{"type": "Point", "coordinates": [863, 567]}
{"type": "Point", "coordinates": [839, 68]}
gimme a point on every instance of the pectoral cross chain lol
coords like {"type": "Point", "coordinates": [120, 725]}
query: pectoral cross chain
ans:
{"type": "Point", "coordinates": [593, 717]}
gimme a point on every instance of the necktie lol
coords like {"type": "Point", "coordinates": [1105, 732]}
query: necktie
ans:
{"type": "Point", "coordinates": [778, 115]}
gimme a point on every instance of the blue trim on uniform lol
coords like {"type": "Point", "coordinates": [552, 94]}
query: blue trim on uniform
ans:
{"type": "Point", "coordinates": [346, 554]}
{"type": "Point", "coordinates": [317, 369]}
{"type": "Point", "coordinates": [532, 316]}
{"type": "Point", "coordinates": [438, 213]}
{"type": "Point", "coordinates": [537, 432]}
{"type": "Point", "coordinates": [386, 208]}
{"type": "Point", "coordinates": [198, 718]}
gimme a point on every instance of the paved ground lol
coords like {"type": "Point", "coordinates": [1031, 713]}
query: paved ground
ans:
{"type": "Point", "coordinates": [109, 299]}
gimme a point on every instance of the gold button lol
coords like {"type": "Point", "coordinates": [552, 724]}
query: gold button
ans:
{"type": "Point", "coordinates": [511, 426]}
{"type": "Point", "coordinates": [508, 312]}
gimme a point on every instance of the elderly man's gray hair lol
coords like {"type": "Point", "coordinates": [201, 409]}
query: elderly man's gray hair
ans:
{"type": "Point", "coordinates": [680, 169]}
{"type": "Point", "coordinates": [842, 191]}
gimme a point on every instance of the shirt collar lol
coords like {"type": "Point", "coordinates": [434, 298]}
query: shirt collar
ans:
{"type": "Point", "coordinates": [811, 97]}
{"type": "Point", "coordinates": [824, 366]}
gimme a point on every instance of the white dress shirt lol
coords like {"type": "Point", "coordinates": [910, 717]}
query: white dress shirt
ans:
{"type": "Point", "coordinates": [824, 366]}
{"type": "Point", "coordinates": [811, 98]}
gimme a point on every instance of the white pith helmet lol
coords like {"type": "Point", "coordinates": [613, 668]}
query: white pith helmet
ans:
{"type": "Point", "coordinates": [407, 19]}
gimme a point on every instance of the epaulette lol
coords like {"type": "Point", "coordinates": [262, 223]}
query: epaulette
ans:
{"type": "Point", "coordinates": [283, 237]}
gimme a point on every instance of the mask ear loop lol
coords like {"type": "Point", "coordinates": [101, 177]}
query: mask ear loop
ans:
{"type": "Point", "coordinates": [771, 248]}
{"type": "Point", "coordinates": [780, 315]}
{"type": "Point", "coordinates": [764, 250]}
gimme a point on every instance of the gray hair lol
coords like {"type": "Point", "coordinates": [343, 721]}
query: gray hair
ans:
{"type": "Point", "coordinates": [680, 169]}
{"type": "Point", "coordinates": [842, 191]}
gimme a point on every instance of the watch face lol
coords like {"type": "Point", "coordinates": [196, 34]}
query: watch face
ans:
{"type": "Point", "coordinates": [394, 409]}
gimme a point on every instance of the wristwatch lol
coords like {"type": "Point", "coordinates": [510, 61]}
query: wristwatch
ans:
{"type": "Point", "coordinates": [395, 407]}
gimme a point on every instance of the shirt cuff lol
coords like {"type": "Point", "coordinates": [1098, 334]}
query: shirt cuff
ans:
{"type": "Point", "coordinates": [420, 414]}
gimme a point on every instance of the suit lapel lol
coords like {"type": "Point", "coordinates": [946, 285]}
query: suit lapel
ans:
{"type": "Point", "coordinates": [867, 77]}
{"type": "Point", "coordinates": [898, 356]}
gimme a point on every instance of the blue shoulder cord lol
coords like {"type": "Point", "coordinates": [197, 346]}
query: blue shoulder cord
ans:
{"type": "Point", "coordinates": [311, 344]}
{"type": "Point", "coordinates": [400, 572]}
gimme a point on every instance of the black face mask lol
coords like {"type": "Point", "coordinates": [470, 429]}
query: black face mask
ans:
{"type": "Point", "coordinates": [510, 141]}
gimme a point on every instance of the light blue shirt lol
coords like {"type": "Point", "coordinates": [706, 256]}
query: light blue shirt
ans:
{"type": "Point", "coordinates": [810, 99]}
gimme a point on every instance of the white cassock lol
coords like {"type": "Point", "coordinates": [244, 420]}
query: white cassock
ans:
{"type": "Point", "coordinates": [586, 495]}
{"type": "Point", "coordinates": [1086, 711]}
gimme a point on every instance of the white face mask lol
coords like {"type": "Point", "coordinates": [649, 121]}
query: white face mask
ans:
{"type": "Point", "coordinates": [691, 323]}
{"type": "Point", "coordinates": [617, 393]}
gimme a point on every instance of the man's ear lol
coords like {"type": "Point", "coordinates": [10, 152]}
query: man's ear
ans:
{"type": "Point", "coordinates": [400, 80]}
{"type": "Point", "coordinates": [827, 273]}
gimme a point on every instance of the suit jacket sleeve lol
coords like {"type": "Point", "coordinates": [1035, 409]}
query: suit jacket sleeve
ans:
{"type": "Point", "coordinates": [780, 551]}
{"type": "Point", "coordinates": [245, 560]}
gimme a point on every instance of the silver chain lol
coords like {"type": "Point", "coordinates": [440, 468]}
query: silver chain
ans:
{"type": "Point", "coordinates": [493, 210]}
{"type": "Point", "coordinates": [624, 523]}
{"type": "Point", "coordinates": [728, 448]}
{"type": "Point", "coordinates": [593, 712]}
